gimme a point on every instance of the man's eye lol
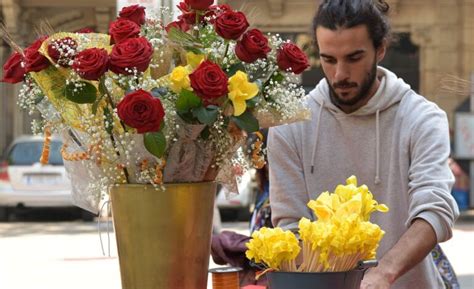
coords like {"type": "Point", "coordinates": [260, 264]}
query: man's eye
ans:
{"type": "Point", "coordinates": [355, 58]}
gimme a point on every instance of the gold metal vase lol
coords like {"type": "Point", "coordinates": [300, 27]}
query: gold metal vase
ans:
{"type": "Point", "coordinates": [163, 236]}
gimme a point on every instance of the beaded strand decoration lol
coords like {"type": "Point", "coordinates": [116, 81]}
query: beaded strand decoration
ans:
{"type": "Point", "coordinates": [44, 159]}
{"type": "Point", "coordinates": [258, 160]}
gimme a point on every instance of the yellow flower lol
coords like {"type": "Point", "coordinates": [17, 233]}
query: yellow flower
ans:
{"type": "Point", "coordinates": [272, 247]}
{"type": "Point", "coordinates": [240, 90]}
{"type": "Point", "coordinates": [194, 59]}
{"type": "Point", "coordinates": [325, 206]}
{"type": "Point", "coordinates": [179, 79]}
{"type": "Point", "coordinates": [369, 205]}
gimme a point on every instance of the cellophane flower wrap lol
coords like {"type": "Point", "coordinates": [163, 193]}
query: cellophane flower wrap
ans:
{"type": "Point", "coordinates": [341, 236]}
{"type": "Point", "coordinates": [153, 102]}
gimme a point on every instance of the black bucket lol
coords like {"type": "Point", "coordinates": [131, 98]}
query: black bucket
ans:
{"type": "Point", "coordinates": [320, 280]}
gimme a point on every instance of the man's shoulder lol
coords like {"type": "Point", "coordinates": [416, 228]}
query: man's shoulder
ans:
{"type": "Point", "coordinates": [417, 112]}
{"type": "Point", "coordinates": [417, 105]}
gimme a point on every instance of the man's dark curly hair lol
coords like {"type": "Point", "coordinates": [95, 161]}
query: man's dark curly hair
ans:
{"type": "Point", "coordinates": [334, 14]}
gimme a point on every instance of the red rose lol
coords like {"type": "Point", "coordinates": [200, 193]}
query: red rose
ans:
{"type": "Point", "coordinates": [91, 63]}
{"type": "Point", "coordinates": [13, 70]}
{"type": "Point", "coordinates": [35, 61]}
{"type": "Point", "coordinates": [183, 7]}
{"type": "Point", "coordinates": [62, 51]}
{"type": "Point", "coordinates": [215, 11]}
{"type": "Point", "coordinates": [142, 111]}
{"type": "Point", "coordinates": [122, 29]}
{"type": "Point", "coordinates": [85, 30]}
{"type": "Point", "coordinates": [231, 24]}
{"type": "Point", "coordinates": [199, 4]}
{"type": "Point", "coordinates": [221, 7]}
{"type": "Point", "coordinates": [252, 46]}
{"type": "Point", "coordinates": [131, 53]}
{"type": "Point", "coordinates": [208, 81]}
{"type": "Point", "coordinates": [135, 13]}
{"type": "Point", "coordinates": [180, 24]}
{"type": "Point", "coordinates": [291, 58]}
{"type": "Point", "coordinates": [188, 16]}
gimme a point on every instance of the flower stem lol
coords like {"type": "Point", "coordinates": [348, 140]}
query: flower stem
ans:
{"type": "Point", "coordinates": [227, 43]}
{"type": "Point", "coordinates": [114, 143]}
{"type": "Point", "coordinates": [196, 31]}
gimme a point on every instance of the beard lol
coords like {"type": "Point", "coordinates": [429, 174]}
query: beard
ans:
{"type": "Point", "coordinates": [360, 95]}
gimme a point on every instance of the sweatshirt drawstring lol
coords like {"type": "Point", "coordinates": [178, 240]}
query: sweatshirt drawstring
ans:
{"type": "Point", "coordinates": [377, 147]}
{"type": "Point", "coordinates": [316, 136]}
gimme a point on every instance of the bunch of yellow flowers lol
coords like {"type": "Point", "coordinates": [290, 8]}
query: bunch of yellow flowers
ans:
{"type": "Point", "coordinates": [276, 248]}
{"type": "Point", "coordinates": [341, 236]}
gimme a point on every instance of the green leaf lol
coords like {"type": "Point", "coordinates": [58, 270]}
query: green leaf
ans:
{"type": "Point", "coordinates": [246, 121]}
{"type": "Point", "coordinates": [205, 115]}
{"type": "Point", "coordinates": [187, 100]}
{"type": "Point", "coordinates": [251, 103]}
{"type": "Point", "coordinates": [208, 37]}
{"type": "Point", "coordinates": [183, 38]}
{"type": "Point", "coordinates": [234, 68]}
{"type": "Point", "coordinates": [193, 49]}
{"type": "Point", "coordinates": [87, 93]}
{"type": "Point", "coordinates": [102, 87]}
{"type": "Point", "coordinates": [187, 117]}
{"type": "Point", "coordinates": [205, 133]}
{"type": "Point", "coordinates": [96, 105]}
{"type": "Point", "coordinates": [278, 77]}
{"type": "Point", "coordinates": [108, 121]}
{"type": "Point", "coordinates": [155, 143]}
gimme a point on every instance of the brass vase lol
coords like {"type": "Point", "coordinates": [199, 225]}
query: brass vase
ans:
{"type": "Point", "coordinates": [163, 236]}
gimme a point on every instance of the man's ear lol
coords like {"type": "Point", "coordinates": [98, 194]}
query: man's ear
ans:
{"type": "Point", "coordinates": [382, 50]}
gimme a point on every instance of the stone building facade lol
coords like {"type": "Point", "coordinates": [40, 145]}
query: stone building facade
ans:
{"type": "Point", "coordinates": [439, 32]}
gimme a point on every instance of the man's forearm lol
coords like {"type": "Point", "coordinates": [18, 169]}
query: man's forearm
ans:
{"type": "Point", "coordinates": [412, 248]}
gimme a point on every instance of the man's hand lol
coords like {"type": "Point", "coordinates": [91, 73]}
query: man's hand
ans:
{"type": "Point", "coordinates": [375, 279]}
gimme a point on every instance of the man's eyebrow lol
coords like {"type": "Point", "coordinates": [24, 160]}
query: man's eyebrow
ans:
{"type": "Point", "coordinates": [357, 52]}
{"type": "Point", "coordinates": [325, 55]}
{"type": "Point", "coordinates": [352, 54]}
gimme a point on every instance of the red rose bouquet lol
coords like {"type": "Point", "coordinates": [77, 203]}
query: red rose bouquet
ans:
{"type": "Point", "coordinates": [155, 102]}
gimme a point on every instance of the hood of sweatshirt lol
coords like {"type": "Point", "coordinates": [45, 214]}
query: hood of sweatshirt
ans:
{"type": "Point", "coordinates": [390, 91]}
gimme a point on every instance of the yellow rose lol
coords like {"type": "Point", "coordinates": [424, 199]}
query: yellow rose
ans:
{"type": "Point", "coordinates": [240, 90]}
{"type": "Point", "coordinates": [179, 79]}
{"type": "Point", "coordinates": [194, 59]}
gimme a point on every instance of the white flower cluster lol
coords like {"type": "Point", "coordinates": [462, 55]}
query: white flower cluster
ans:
{"type": "Point", "coordinates": [130, 82]}
{"type": "Point", "coordinates": [284, 98]}
{"type": "Point", "coordinates": [30, 94]}
{"type": "Point", "coordinates": [37, 126]}
{"type": "Point", "coordinates": [169, 105]}
{"type": "Point", "coordinates": [222, 140]}
{"type": "Point", "coordinates": [66, 49]}
{"type": "Point", "coordinates": [153, 31]}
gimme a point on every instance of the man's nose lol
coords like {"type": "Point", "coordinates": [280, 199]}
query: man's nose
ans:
{"type": "Point", "coordinates": [342, 72]}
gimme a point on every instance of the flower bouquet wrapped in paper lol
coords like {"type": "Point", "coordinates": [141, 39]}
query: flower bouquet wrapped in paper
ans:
{"type": "Point", "coordinates": [340, 238]}
{"type": "Point", "coordinates": [153, 102]}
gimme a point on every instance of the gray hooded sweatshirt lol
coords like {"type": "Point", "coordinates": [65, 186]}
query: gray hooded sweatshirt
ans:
{"type": "Point", "coordinates": [397, 144]}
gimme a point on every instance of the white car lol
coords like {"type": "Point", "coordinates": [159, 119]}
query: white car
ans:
{"type": "Point", "coordinates": [24, 182]}
{"type": "Point", "coordinates": [241, 203]}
